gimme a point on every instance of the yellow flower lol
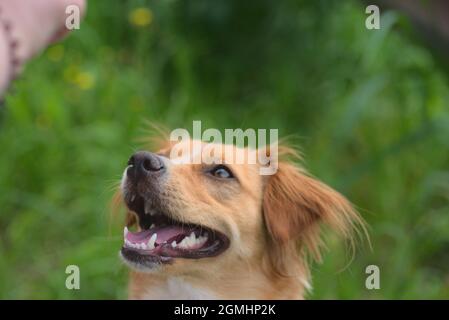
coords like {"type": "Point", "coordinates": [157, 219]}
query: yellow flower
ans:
{"type": "Point", "coordinates": [70, 73]}
{"type": "Point", "coordinates": [141, 17]}
{"type": "Point", "coordinates": [85, 80]}
{"type": "Point", "coordinates": [55, 53]}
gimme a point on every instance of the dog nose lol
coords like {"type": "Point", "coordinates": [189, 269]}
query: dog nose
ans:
{"type": "Point", "coordinates": [143, 163]}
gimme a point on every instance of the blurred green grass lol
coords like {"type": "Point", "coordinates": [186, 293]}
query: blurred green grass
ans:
{"type": "Point", "coordinates": [370, 109]}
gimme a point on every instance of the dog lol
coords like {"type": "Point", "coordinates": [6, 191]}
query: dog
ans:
{"type": "Point", "coordinates": [219, 230]}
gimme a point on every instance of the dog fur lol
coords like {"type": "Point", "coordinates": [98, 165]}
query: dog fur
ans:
{"type": "Point", "coordinates": [273, 224]}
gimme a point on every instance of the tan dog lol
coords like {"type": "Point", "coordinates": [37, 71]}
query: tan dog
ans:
{"type": "Point", "coordinates": [223, 231]}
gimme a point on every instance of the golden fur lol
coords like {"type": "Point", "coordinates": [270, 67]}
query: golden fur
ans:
{"type": "Point", "coordinates": [273, 223]}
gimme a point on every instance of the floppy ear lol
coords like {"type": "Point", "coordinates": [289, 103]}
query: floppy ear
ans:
{"type": "Point", "coordinates": [295, 205]}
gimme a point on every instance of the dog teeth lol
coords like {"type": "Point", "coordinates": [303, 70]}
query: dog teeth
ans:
{"type": "Point", "coordinates": [130, 244]}
{"type": "Point", "coordinates": [152, 241]}
{"type": "Point", "coordinates": [152, 226]}
{"type": "Point", "coordinates": [192, 241]}
{"type": "Point", "coordinates": [133, 197]}
{"type": "Point", "coordinates": [141, 245]}
{"type": "Point", "coordinates": [150, 245]}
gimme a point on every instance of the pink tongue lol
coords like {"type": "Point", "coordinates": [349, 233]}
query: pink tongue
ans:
{"type": "Point", "coordinates": [163, 234]}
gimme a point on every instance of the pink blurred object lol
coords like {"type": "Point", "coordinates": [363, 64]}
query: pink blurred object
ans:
{"type": "Point", "coordinates": [28, 27]}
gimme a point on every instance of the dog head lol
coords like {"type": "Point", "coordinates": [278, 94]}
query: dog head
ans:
{"type": "Point", "coordinates": [213, 214]}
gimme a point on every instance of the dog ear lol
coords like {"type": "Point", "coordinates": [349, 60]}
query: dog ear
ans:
{"type": "Point", "coordinates": [295, 205]}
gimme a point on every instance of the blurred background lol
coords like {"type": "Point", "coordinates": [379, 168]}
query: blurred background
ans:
{"type": "Point", "coordinates": [369, 109]}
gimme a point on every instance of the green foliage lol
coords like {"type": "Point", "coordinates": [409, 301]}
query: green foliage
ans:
{"type": "Point", "coordinates": [370, 109]}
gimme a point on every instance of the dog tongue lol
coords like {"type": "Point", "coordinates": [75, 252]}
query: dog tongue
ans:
{"type": "Point", "coordinates": [164, 233]}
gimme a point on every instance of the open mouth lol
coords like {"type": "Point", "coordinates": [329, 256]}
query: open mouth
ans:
{"type": "Point", "coordinates": [162, 238]}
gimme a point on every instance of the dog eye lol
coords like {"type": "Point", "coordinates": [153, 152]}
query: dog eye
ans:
{"type": "Point", "coordinates": [221, 172]}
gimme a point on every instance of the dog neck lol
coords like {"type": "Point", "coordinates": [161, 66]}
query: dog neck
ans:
{"type": "Point", "coordinates": [227, 285]}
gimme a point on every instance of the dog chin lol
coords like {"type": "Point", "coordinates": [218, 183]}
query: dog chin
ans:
{"type": "Point", "coordinates": [147, 267]}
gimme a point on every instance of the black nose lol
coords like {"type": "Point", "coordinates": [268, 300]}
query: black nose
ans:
{"type": "Point", "coordinates": [142, 164]}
